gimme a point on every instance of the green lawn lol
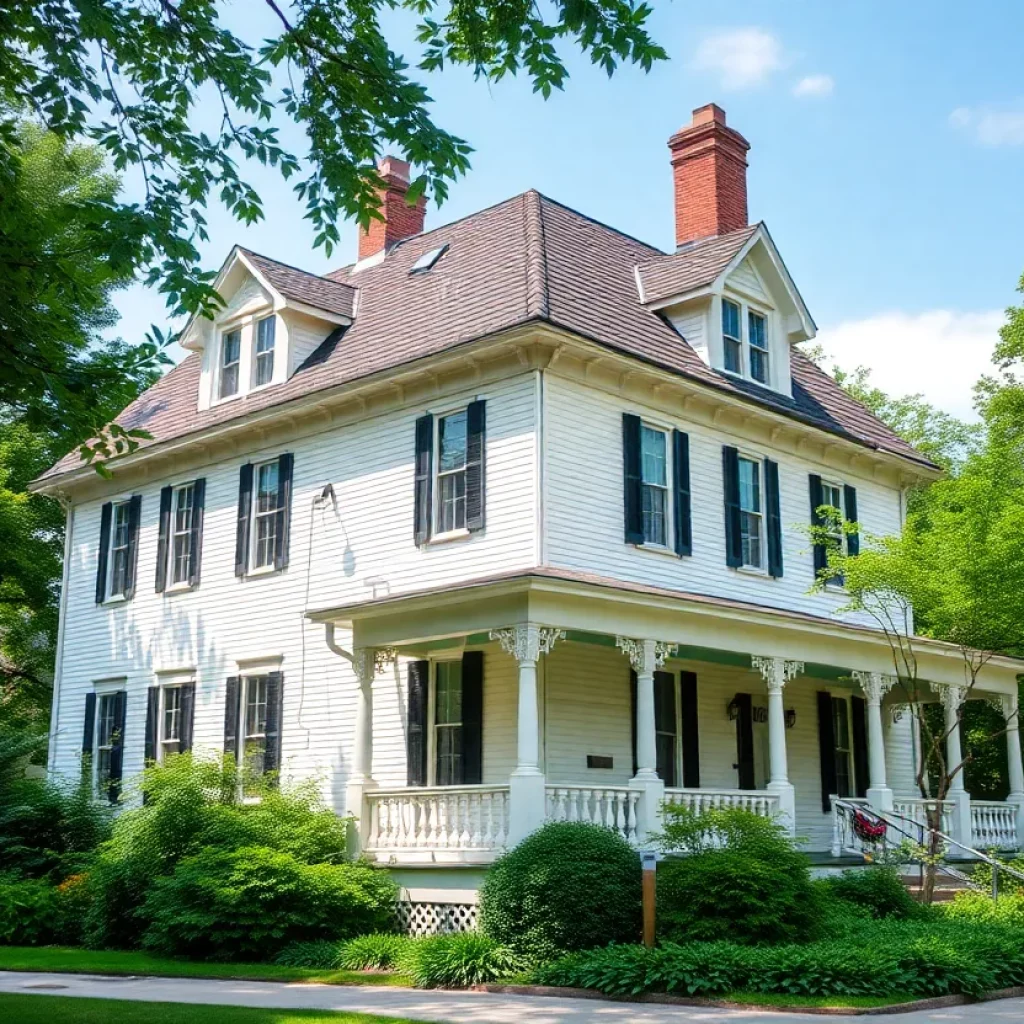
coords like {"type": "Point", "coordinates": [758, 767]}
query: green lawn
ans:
{"type": "Point", "coordinates": [89, 961]}
{"type": "Point", "coordinates": [27, 1009]}
{"type": "Point", "coordinates": [830, 1002]}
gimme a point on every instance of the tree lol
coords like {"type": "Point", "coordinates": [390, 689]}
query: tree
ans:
{"type": "Point", "coordinates": [140, 76]}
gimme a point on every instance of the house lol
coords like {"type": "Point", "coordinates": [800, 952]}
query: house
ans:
{"type": "Point", "coordinates": [506, 522]}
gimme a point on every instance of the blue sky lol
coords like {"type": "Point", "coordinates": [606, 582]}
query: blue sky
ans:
{"type": "Point", "coordinates": [887, 143]}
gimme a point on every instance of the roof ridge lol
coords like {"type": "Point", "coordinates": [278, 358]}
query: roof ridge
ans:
{"type": "Point", "coordinates": [601, 224]}
{"type": "Point", "coordinates": [537, 295]}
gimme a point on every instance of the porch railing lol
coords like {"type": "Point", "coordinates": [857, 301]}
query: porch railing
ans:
{"type": "Point", "coordinates": [917, 811]}
{"type": "Point", "coordinates": [467, 818]}
{"type": "Point", "coordinates": [698, 800]}
{"type": "Point", "coordinates": [612, 806]}
{"type": "Point", "coordinates": [993, 825]}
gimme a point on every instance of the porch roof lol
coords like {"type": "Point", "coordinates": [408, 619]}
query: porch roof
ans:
{"type": "Point", "coordinates": [590, 603]}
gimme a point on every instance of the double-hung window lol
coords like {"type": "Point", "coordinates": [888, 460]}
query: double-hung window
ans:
{"type": "Point", "coordinates": [230, 355]}
{"type": "Point", "coordinates": [732, 339]}
{"type": "Point", "coordinates": [182, 514]}
{"type": "Point", "coordinates": [654, 482]}
{"type": "Point", "coordinates": [120, 544]}
{"type": "Point", "coordinates": [265, 509]}
{"type": "Point", "coordinates": [751, 513]}
{"type": "Point", "coordinates": [832, 495]}
{"type": "Point", "coordinates": [253, 745]}
{"type": "Point", "coordinates": [265, 330]}
{"type": "Point", "coordinates": [106, 740]}
{"type": "Point", "coordinates": [757, 334]}
{"type": "Point", "coordinates": [844, 760]}
{"type": "Point", "coordinates": [451, 472]}
{"type": "Point", "coordinates": [170, 721]}
{"type": "Point", "coordinates": [448, 752]}
{"type": "Point", "coordinates": [666, 727]}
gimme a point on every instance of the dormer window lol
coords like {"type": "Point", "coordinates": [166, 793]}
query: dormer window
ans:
{"type": "Point", "coordinates": [732, 340]}
{"type": "Point", "coordinates": [745, 342]}
{"type": "Point", "coordinates": [265, 330]}
{"type": "Point", "coordinates": [757, 332]}
{"type": "Point", "coordinates": [231, 351]}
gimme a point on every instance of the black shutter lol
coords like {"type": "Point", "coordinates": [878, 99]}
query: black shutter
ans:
{"type": "Point", "coordinates": [773, 508]}
{"type": "Point", "coordinates": [152, 722]}
{"type": "Point", "coordinates": [285, 467]}
{"type": "Point", "coordinates": [632, 493]}
{"type": "Point", "coordinates": [858, 714]}
{"type": "Point", "coordinates": [275, 713]}
{"type": "Point", "coordinates": [195, 554]}
{"type": "Point", "coordinates": [244, 515]}
{"type": "Point", "coordinates": [117, 746]}
{"type": "Point", "coordinates": [665, 727]}
{"type": "Point", "coordinates": [134, 519]}
{"type": "Point", "coordinates": [416, 723]}
{"type": "Point", "coordinates": [691, 729]}
{"type": "Point", "coordinates": [106, 514]}
{"type": "Point", "coordinates": [745, 741]}
{"type": "Point", "coordinates": [472, 718]}
{"type": "Point", "coordinates": [850, 501]}
{"type": "Point", "coordinates": [731, 485]}
{"type": "Point", "coordinates": [817, 500]}
{"type": "Point", "coordinates": [163, 538]}
{"type": "Point", "coordinates": [188, 715]}
{"type": "Point", "coordinates": [89, 724]}
{"type": "Point", "coordinates": [424, 461]}
{"type": "Point", "coordinates": [232, 698]}
{"type": "Point", "coordinates": [476, 432]}
{"type": "Point", "coordinates": [681, 465]}
{"type": "Point", "coordinates": [826, 750]}
{"type": "Point", "coordinates": [632, 715]}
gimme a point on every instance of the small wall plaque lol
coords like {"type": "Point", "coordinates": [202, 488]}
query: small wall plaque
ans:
{"type": "Point", "coordinates": [599, 761]}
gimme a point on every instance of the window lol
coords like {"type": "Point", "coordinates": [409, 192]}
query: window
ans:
{"type": "Point", "coordinates": [751, 513]}
{"type": "Point", "coordinates": [265, 329]}
{"type": "Point", "coordinates": [106, 740]}
{"type": "Point", "coordinates": [182, 513]}
{"type": "Point", "coordinates": [170, 721]}
{"type": "Point", "coordinates": [265, 509]}
{"type": "Point", "coordinates": [230, 352]}
{"type": "Point", "coordinates": [832, 495]}
{"type": "Point", "coordinates": [757, 334]}
{"type": "Point", "coordinates": [665, 727]}
{"type": "Point", "coordinates": [732, 340]}
{"type": "Point", "coordinates": [451, 472]}
{"type": "Point", "coordinates": [448, 767]}
{"type": "Point", "coordinates": [654, 483]}
{"type": "Point", "coordinates": [254, 731]}
{"type": "Point", "coordinates": [841, 731]}
{"type": "Point", "coordinates": [120, 543]}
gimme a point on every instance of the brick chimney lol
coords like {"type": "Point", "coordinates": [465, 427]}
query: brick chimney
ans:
{"type": "Point", "coordinates": [400, 219]}
{"type": "Point", "coordinates": [709, 168]}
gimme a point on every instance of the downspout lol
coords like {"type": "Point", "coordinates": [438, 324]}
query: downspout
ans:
{"type": "Point", "coordinates": [58, 668]}
{"type": "Point", "coordinates": [329, 637]}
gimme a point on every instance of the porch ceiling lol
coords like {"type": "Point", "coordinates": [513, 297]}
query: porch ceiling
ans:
{"type": "Point", "coordinates": [596, 609]}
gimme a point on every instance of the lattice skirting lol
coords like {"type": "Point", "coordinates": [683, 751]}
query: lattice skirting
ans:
{"type": "Point", "coordinates": [436, 918]}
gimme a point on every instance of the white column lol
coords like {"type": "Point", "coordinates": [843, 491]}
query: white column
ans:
{"type": "Point", "coordinates": [875, 686]}
{"type": "Point", "coordinates": [1015, 768]}
{"type": "Point", "coordinates": [777, 672]}
{"type": "Point", "coordinates": [952, 697]}
{"type": "Point", "coordinates": [646, 657]}
{"type": "Point", "coordinates": [526, 643]}
{"type": "Point", "coordinates": [366, 663]}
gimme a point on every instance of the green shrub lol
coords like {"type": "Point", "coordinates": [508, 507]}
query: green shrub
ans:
{"type": "Point", "coordinates": [565, 887]}
{"type": "Point", "coordinates": [380, 951]}
{"type": "Point", "coordinates": [29, 913]}
{"type": "Point", "coordinates": [980, 908]}
{"type": "Point", "coordinates": [251, 902]}
{"type": "Point", "coordinates": [457, 961]}
{"type": "Point", "coordinates": [321, 954]}
{"type": "Point", "coordinates": [878, 890]}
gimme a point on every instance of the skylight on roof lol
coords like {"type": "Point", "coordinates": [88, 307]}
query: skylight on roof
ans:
{"type": "Point", "coordinates": [428, 259]}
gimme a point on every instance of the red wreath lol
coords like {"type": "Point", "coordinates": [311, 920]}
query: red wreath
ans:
{"type": "Point", "coordinates": [867, 830]}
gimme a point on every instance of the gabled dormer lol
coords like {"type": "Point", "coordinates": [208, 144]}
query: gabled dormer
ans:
{"type": "Point", "coordinates": [273, 318]}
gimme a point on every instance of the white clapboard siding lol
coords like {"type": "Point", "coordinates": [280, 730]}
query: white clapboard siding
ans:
{"type": "Point", "coordinates": [693, 326]}
{"type": "Point", "coordinates": [583, 506]}
{"type": "Point", "coordinates": [745, 279]}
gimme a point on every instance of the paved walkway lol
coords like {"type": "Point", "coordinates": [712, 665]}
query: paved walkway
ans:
{"type": "Point", "coordinates": [463, 1007]}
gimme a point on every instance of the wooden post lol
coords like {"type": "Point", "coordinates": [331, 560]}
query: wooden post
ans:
{"type": "Point", "coordinates": [649, 865]}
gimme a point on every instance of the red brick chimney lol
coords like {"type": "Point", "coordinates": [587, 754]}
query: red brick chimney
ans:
{"type": "Point", "coordinates": [400, 219]}
{"type": "Point", "coordinates": [709, 167]}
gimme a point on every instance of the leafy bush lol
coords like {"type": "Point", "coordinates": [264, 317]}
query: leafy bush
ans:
{"type": "Point", "coordinates": [565, 887]}
{"type": "Point", "coordinates": [29, 914]}
{"type": "Point", "coordinates": [878, 890]}
{"type": "Point", "coordinates": [251, 902]}
{"type": "Point", "coordinates": [321, 954]}
{"type": "Point", "coordinates": [381, 951]}
{"type": "Point", "coordinates": [980, 908]}
{"type": "Point", "coordinates": [457, 961]}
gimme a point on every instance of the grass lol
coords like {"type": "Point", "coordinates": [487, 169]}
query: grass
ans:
{"type": "Point", "coordinates": [26, 1009]}
{"type": "Point", "coordinates": [96, 961]}
{"type": "Point", "coordinates": [829, 1002]}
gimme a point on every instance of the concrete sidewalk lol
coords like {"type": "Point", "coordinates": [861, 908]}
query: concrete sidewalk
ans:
{"type": "Point", "coordinates": [464, 1007]}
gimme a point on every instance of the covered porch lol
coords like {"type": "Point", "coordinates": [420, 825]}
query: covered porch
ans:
{"type": "Point", "coordinates": [485, 709]}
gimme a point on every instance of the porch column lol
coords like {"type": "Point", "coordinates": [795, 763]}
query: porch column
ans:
{"type": "Point", "coordinates": [952, 697]}
{"type": "Point", "coordinates": [366, 663]}
{"type": "Point", "coordinates": [1015, 768]}
{"type": "Point", "coordinates": [646, 657]}
{"type": "Point", "coordinates": [526, 643]}
{"type": "Point", "coordinates": [777, 672]}
{"type": "Point", "coordinates": [875, 686]}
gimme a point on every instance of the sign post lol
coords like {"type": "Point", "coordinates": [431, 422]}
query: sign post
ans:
{"type": "Point", "coordinates": [649, 866]}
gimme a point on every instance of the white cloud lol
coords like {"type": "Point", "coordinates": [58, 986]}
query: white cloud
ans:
{"type": "Point", "coordinates": [742, 58]}
{"type": "Point", "coordinates": [939, 354]}
{"type": "Point", "coordinates": [815, 85]}
{"type": "Point", "coordinates": [990, 126]}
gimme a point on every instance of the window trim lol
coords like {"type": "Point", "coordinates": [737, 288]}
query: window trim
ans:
{"type": "Point", "coordinates": [746, 307]}
{"type": "Point", "coordinates": [766, 349]}
{"type": "Point", "coordinates": [224, 331]}
{"type": "Point", "coordinates": [244, 680]}
{"type": "Point", "coordinates": [121, 595]}
{"type": "Point", "coordinates": [104, 691]}
{"type": "Point", "coordinates": [836, 582]}
{"type": "Point", "coordinates": [666, 432]}
{"type": "Point", "coordinates": [173, 533]}
{"type": "Point", "coordinates": [438, 659]}
{"type": "Point", "coordinates": [253, 569]}
{"type": "Point", "coordinates": [161, 738]}
{"type": "Point", "coordinates": [758, 460]}
{"type": "Point", "coordinates": [437, 535]}
{"type": "Point", "coordinates": [741, 341]}
{"type": "Point", "coordinates": [851, 767]}
{"type": "Point", "coordinates": [272, 351]}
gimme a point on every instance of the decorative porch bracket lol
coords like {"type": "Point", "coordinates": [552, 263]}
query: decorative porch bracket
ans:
{"type": "Point", "coordinates": [776, 672]}
{"type": "Point", "coordinates": [875, 686]}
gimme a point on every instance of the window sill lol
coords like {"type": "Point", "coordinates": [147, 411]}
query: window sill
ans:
{"type": "Point", "coordinates": [657, 549]}
{"type": "Point", "coordinates": [263, 570]}
{"type": "Point", "coordinates": [747, 379]}
{"type": "Point", "coordinates": [752, 570]}
{"type": "Point", "coordinates": [179, 588]}
{"type": "Point", "coordinates": [115, 600]}
{"type": "Point", "coordinates": [263, 387]}
{"type": "Point", "coordinates": [447, 538]}
{"type": "Point", "coordinates": [835, 588]}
